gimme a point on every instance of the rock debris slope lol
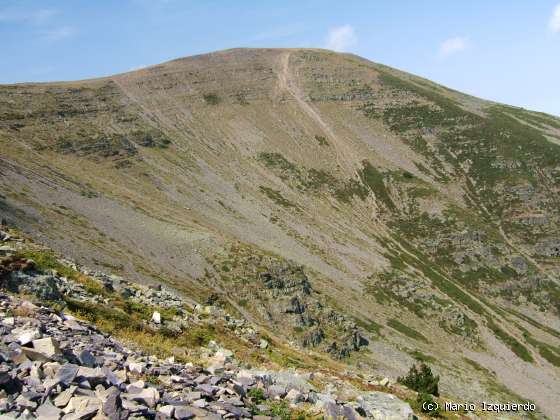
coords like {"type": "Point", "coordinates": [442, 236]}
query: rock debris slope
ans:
{"type": "Point", "coordinates": [55, 366]}
{"type": "Point", "coordinates": [351, 209]}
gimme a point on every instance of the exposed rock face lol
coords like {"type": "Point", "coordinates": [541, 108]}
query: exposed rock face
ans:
{"type": "Point", "coordinates": [313, 338]}
{"type": "Point", "coordinates": [286, 279]}
{"type": "Point", "coordinates": [294, 296]}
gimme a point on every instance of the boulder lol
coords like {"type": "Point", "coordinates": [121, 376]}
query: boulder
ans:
{"type": "Point", "coordinates": [112, 404]}
{"type": "Point", "coordinates": [47, 346]}
{"type": "Point", "coordinates": [383, 406]}
{"type": "Point", "coordinates": [34, 355]}
{"type": "Point", "coordinates": [148, 396]}
{"type": "Point", "coordinates": [67, 373]}
{"type": "Point", "coordinates": [26, 336]}
{"type": "Point", "coordinates": [137, 367]}
{"type": "Point", "coordinates": [48, 411]}
{"type": "Point", "coordinates": [183, 413]}
{"type": "Point", "coordinates": [87, 359]}
{"type": "Point", "coordinates": [82, 404]}
{"type": "Point", "coordinates": [263, 344]}
{"type": "Point", "coordinates": [294, 396]}
{"type": "Point", "coordinates": [156, 317]}
{"type": "Point", "coordinates": [166, 410]}
{"type": "Point", "coordinates": [63, 398]}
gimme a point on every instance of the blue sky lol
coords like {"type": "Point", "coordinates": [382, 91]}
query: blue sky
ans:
{"type": "Point", "coordinates": [508, 51]}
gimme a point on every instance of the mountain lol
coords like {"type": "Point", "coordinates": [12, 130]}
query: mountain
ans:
{"type": "Point", "coordinates": [341, 205]}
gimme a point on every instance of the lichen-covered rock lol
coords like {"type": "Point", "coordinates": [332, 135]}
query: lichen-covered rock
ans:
{"type": "Point", "coordinates": [382, 406]}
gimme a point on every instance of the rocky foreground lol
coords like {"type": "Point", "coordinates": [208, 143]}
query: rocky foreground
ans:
{"type": "Point", "coordinates": [55, 366]}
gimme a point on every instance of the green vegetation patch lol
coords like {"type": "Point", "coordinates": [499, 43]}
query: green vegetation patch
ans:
{"type": "Point", "coordinates": [548, 352]}
{"type": "Point", "coordinates": [278, 161]}
{"type": "Point", "coordinates": [514, 345]}
{"type": "Point", "coordinates": [46, 260]}
{"type": "Point", "coordinates": [373, 179]}
{"type": "Point", "coordinates": [211, 98]}
{"type": "Point", "coordinates": [421, 357]}
{"type": "Point", "coordinates": [126, 320]}
{"type": "Point", "coordinates": [277, 197]}
{"type": "Point", "coordinates": [314, 180]}
{"type": "Point", "coordinates": [406, 330]}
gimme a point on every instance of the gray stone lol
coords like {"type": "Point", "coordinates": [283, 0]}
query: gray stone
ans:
{"type": "Point", "coordinates": [275, 391]}
{"type": "Point", "coordinates": [34, 355]}
{"type": "Point", "coordinates": [67, 373]}
{"type": "Point", "coordinates": [64, 397]}
{"type": "Point", "coordinates": [83, 407]}
{"type": "Point", "coordinates": [94, 376]}
{"type": "Point", "coordinates": [112, 405]}
{"type": "Point", "coordinates": [349, 413]}
{"type": "Point", "coordinates": [183, 413]}
{"type": "Point", "coordinates": [200, 403]}
{"type": "Point", "coordinates": [294, 396]}
{"type": "Point", "coordinates": [166, 410]}
{"type": "Point", "coordinates": [47, 346]}
{"type": "Point", "coordinates": [48, 411]}
{"type": "Point", "coordinates": [87, 359]}
{"type": "Point", "coordinates": [382, 406]}
{"type": "Point", "coordinates": [148, 396]}
{"type": "Point", "coordinates": [332, 411]}
{"type": "Point", "coordinates": [27, 336]}
{"type": "Point", "coordinates": [24, 402]}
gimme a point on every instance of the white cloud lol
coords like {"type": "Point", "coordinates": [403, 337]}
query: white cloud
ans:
{"type": "Point", "coordinates": [341, 38]}
{"type": "Point", "coordinates": [554, 22]}
{"type": "Point", "coordinates": [60, 33]}
{"type": "Point", "coordinates": [453, 46]}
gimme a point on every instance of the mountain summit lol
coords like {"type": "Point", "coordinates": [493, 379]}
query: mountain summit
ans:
{"type": "Point", "coordinates": [341, 205]}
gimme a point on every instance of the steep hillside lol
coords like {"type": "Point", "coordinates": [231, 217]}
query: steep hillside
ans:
{"type": "Point", "coordinates": [342, 205]}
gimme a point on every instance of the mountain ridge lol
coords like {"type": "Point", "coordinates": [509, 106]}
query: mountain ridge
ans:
{"type": "Point", "coordinates": [206, 171]}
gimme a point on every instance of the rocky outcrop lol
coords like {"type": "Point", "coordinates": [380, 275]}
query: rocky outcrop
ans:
{"type": "Point", "coordinates": [286, 279]}
{"type": "Point", "coordinates": [297, 303]}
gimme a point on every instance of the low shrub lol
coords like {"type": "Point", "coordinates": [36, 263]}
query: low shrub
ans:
{"type": "Point", "coordinates": [421, 380]}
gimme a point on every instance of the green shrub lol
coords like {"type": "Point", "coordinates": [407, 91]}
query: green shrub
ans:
{"type": "Point", "coordinates": [421, 380]}
{"type": "Point", "coordinates": [257, 395]}
{"type": "Point", "coordinates": [281, 410]}
{"type": "Point", "coordinates": [211, 99]}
